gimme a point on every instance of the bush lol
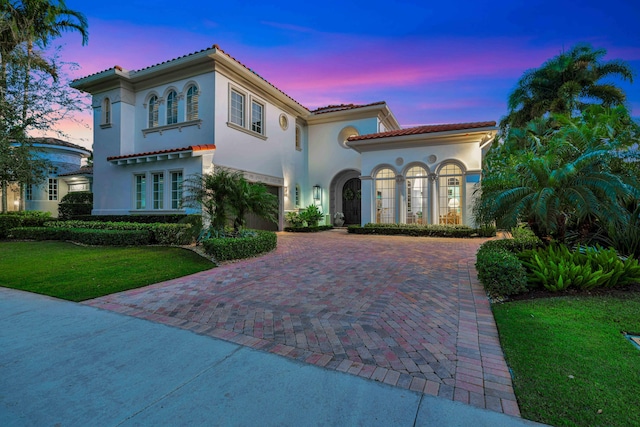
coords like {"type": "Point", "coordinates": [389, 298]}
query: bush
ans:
{"type": "Point", "coordinates": [228, 248]}
{"type": "Point", "coordinates": [144, 219]}
{"type": "Point", "coordinates": [294, 219]}
{"type": "Point", "coordinates": [311, 215]}
{"type": "Point", "coordinates": [84, 236]}
{"type": "Point", "coordinates": [75, 204]}
{"type": "Point", "coordinates": [556, 268]}
{"type": "Point", "coordinates": [308, 229]}
{"type": "Point", "coordinates": [514, 245]}
{"type": "Point", "coordinates": [500, 271]}
{"type": "Point", "coordinates": [163, 234]}
{"type": "Point", "coordinates": [417, 230]}
{"type": "Point", "coordinates": [38, 233]}
{"type": "Point", "coordinates": [21, 219]}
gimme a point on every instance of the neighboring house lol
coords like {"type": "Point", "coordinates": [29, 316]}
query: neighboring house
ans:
{"type": "Point", "coordinates": [65, 175]}
{"type": "Point", "coordinates": [155, 127]}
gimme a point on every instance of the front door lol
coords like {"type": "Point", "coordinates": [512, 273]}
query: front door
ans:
{"type": "Point", "coordinates": [351, 201]}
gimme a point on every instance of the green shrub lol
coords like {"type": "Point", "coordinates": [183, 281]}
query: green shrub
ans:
{"type": "Point", "coordinates": [144, 219]}
{"type": "Point", "coordinates": [500, 271]}
{"type": "Point", "coordinates": [38, 233]}
{"type": "Point", "coordinates": [163, 234]}
{"type": "Point", "coordinates": [11, 220]}
{"type": "Point", "coordinates": [514, 245]}
{"type": "Point", "coordinates": [486, 231]}
{"type": "Point", "coordinates": [294, 219]}
{"type": "Point", "coordinates": [83, 235]}
{"type": "Point", "coordinates": [311, 215]}
{"type": "Point", "coordinates": [228, 248]}
{"type": "Point", "coordinates": [75, 204]}
{"type": "Point", "coordinates": [308, 229]}
{"type": "Point", "coordinates": [557, 268]}
{"type": "Point", "coordinates": [416, 230]}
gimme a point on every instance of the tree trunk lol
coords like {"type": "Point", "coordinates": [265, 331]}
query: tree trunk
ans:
{"type": "Point", "coordinates": [4, 187]}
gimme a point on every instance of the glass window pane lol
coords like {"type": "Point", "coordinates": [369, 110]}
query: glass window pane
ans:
{"type": "Point", "coordinates": [256, 117]}
{"type": "Point", "coordinates": [237, 108]}
{"type": "Point", "coordinates": [385, 185]}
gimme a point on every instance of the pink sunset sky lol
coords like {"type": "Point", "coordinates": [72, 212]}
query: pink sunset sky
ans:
{"type": "Point", "coordinates": [430, 63]}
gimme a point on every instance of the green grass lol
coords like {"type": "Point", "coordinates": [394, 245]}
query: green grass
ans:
{"type": "Point", "coordinates": [77, 273]}
{"type": "Point", "coordinates": [570, 359]}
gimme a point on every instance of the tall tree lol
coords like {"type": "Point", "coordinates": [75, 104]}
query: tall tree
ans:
{"type": "Point", "coordinates": [566, 84]}
{"type": "Point", "coordinates": [31, 96]}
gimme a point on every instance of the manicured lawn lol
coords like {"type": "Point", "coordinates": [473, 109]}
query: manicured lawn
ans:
{"type": "Point", "coordinates": [570, 360]}
{"type": "Point", "coordinates": [77, 273]}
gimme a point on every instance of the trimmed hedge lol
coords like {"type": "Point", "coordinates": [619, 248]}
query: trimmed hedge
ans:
{"type": "Point", "coordinates": [21, 219]}
{"type": "Point", "coordinates": [85, 236]}
{"type": "Point", "coordinates": [228, 248]}
{"type": "Point", "coordinates": [419, 230]}
{"type": "Point", "coordinates": [163, 234]}
{"type": "Point", "coordinates": [144, 219]}
{"type": "Point", "coordinates": [308, 229]}
{"type": "Point", "coordinates": [75, 204]}
{"type": "Point", "coordinates": [501, 272]}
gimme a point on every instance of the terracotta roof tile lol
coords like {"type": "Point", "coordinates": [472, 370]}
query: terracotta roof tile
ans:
{"type": "Point", "coordinates": [58, 142]}
{"type": "Point", "coordinates": [169, 151]}
{"type": "Point", "coordinates": [343, 107]}
{"type": "Point", "coordinates": [216, 47]}
{"type": "Point", "coordinates": [84, 170]}
{"type": "Point", "coordinates": [418, 130]}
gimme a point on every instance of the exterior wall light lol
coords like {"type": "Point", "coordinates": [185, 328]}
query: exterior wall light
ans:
{"type": "Point", "coordinates": [317, 192]}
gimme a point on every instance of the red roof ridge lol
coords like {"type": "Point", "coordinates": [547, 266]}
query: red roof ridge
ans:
{"type": "Point", "coordinates": [167, 151]}
{"type": "Point", "coordinates": [417, 130]}
{"type": "Point", "coordinates": [343, 107]}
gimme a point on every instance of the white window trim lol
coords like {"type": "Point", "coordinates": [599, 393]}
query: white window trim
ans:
{"type": "Point", "coordinates": [163, 193]}
{"type": "Point", "coordinates": [247, 113]}
{"type": "Point", "coordinates": [186, 102]}
{"type": "Point", "coordinates": [135, 191]}
{"type": "Point", "coordinates": [167, 112]}
{"type": "Point", "coordinates": [170, 205]}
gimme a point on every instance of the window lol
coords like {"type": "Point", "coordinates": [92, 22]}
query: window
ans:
{"type": "Point", "coordinates": [28, 192]}
{"type": "Point", "coordinates": [158, 190]}
{"type": "Point", "coordinates": [176, 190]}
{"type": "Point", "coordinates": [297, 196]}
{"type": "Point", "coordinates": [417, 190]}
{"type": "Point", "coordinates": [236, 112]}
{"type": "Point", "coordinates": [106, 111]}
{"type": "Point", "coordinates": [53, 189]}
{"type": "Point", "coordinates": [153, 111]}
{"type": "Point", "coordinates": [141, 191]}
{"type": "Point", "coordinates": [450, 195]}
{"type": "Point", "coordinates": [192, 103]}
{"type": "Point", "coordinates": [298, 138]}
{"type": "Point", "coordinates": [172, 108]}
{"type": "Point", "coordinates": [257, 117]}
{"type": "Point", "coordinates": [385, 184]}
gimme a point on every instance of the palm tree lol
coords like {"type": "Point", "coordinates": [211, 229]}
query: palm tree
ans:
{"type": "Point", "coordinates": [213, 192]}
{"type": "Point", "coordinates": [253, 198]}
{"type": "Point", "coordinates": [568, 82]}
{"type": "Point", "coordinates": [560, 177]}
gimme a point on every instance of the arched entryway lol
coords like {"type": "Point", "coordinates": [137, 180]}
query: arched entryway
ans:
{"type": "Point", "coordinates": [351, 203]}
{"type": "Point", "coordinates": [346, 181]}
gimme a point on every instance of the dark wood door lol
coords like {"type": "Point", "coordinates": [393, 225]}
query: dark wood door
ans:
{"type": "Point", "coordinates": [351, 201]}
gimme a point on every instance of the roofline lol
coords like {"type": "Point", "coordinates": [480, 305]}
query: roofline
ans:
{"type": "Point", "coordinates": [405, 141]}
{"type": "Point", "coordinates": [363, 111]}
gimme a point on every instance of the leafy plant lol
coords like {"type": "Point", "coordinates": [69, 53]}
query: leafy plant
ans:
{"type": "Point", "coordinates": [74, 204]}
{"type": "Point", "coordinates": [226, 248]}
{"type": "Point", "coordinates": [557, 268]}
{"type": "Point", "coordinates": [294, 219]}
{"type": "Point", "coordinates": [501, 272]}
{"type": "Point", "coordinates": [312, 214]}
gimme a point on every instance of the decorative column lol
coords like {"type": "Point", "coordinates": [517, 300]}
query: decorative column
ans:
{"type": "Point", "coordinates": [433, 197]}
{"type": "Point", "coordinates": [367, 200]}
{"type": "Point", "coordinates": [401, 200]}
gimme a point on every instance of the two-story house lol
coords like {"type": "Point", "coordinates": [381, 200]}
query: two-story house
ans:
{"type": "Point", "coordinates": [155, 127]}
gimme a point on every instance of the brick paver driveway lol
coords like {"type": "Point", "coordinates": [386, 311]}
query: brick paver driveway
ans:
{"type": "Point", "coordinates": [402, 310]}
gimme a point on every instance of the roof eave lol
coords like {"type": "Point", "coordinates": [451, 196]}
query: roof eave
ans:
{"type": "Point", "coordinates": [406, 141]}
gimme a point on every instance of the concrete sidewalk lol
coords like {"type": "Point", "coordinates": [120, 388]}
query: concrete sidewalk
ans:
{"type": "Point", "coordinates": [68, 364]}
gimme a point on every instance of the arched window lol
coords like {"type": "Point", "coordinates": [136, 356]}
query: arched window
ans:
{"type": "Point", "coordinates": [417, 188]}
{"type": "Point", "coordinates": [153, 111]}
{"type": "Point", "coordinates": [172, 108]}
{"type": "Point", "coordinates": [106, 111]}
{"type": "Point", "coordinates": [450, 194]}
{"type": "Point", "coordinates": [385, 185]}
{"type": "Point", "coordinates": [192, 103]}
